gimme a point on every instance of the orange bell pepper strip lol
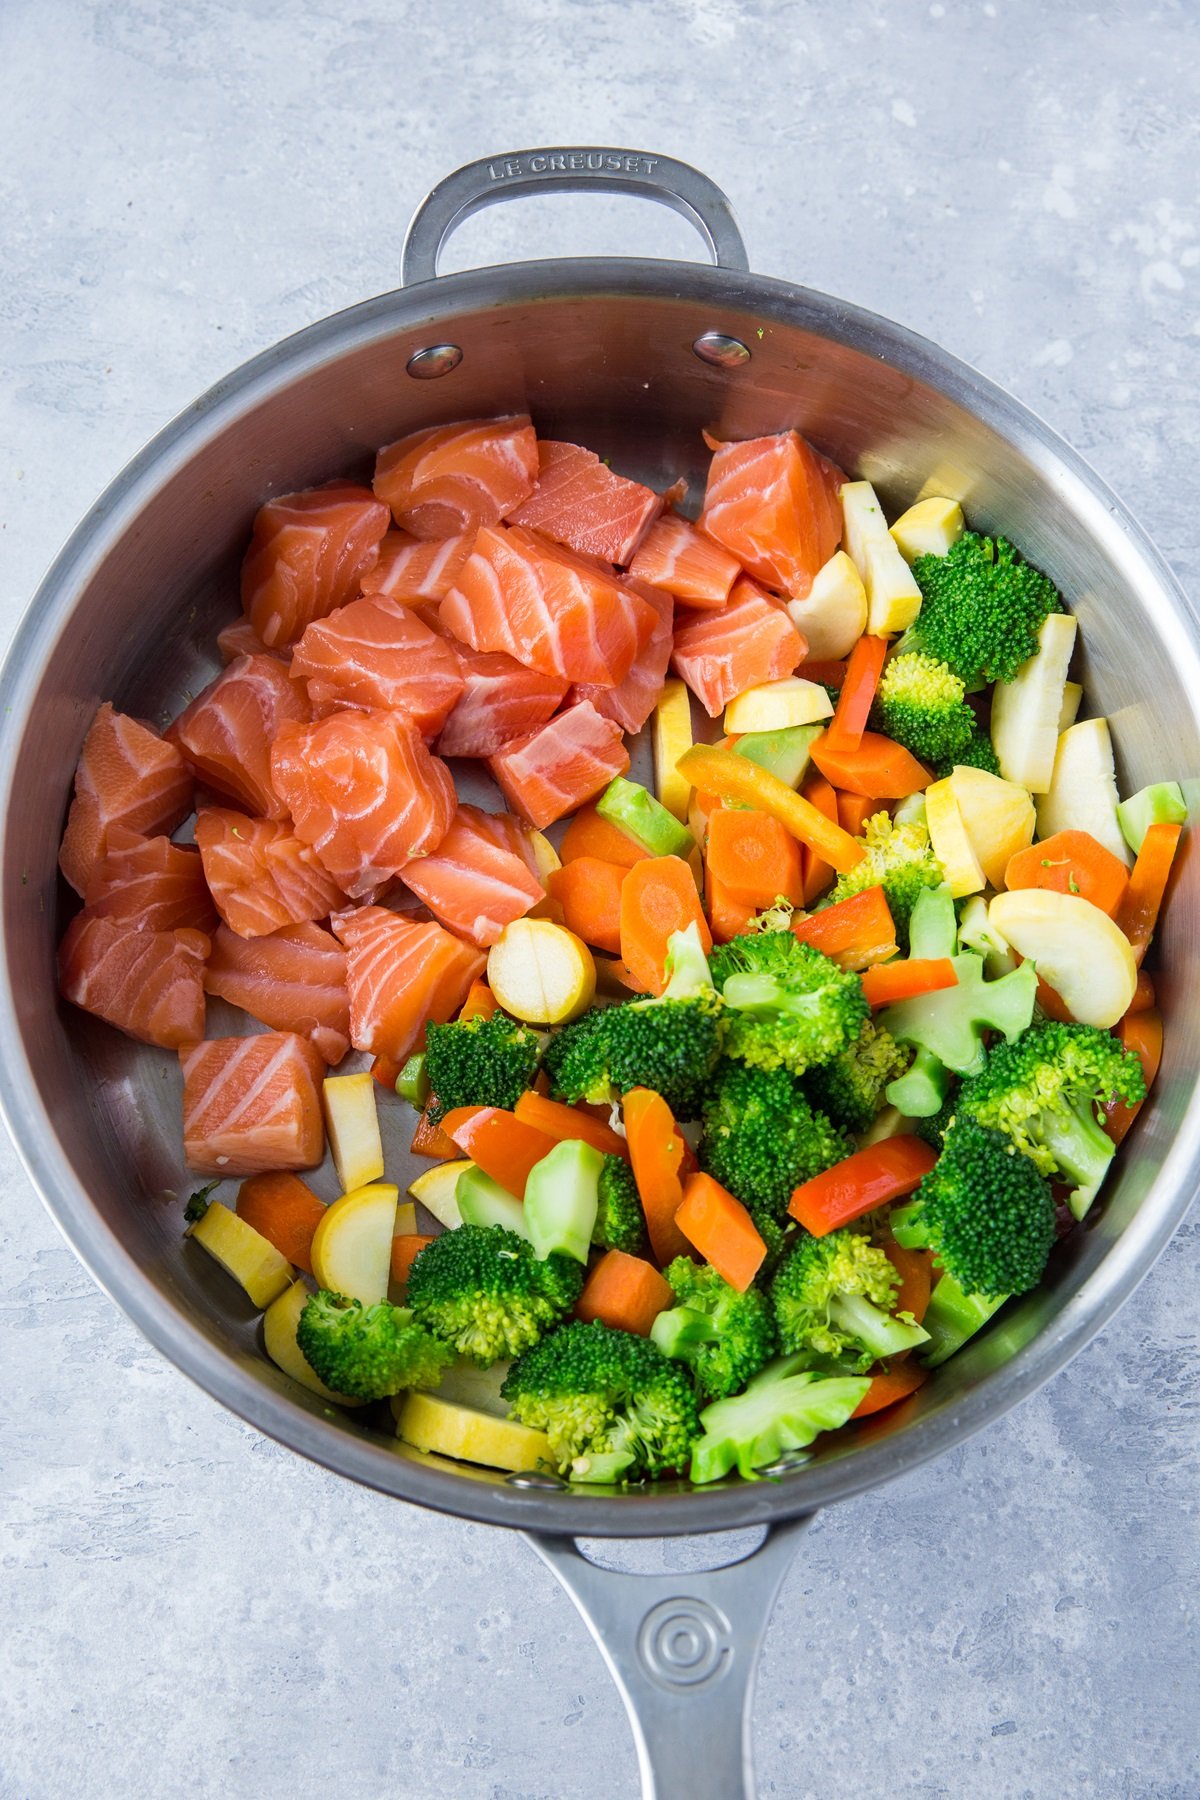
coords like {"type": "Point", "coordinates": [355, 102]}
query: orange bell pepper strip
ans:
{"type": "Point", "coordinates": [855, 933]}
{"type": "Point", "coordinates": [656, 1151]}
{"type": "Point", "coordinates": [658, 898]}
{"type": "Point", "coordinates": [480, 1002]}
{"type": "Point", "coordinates": [733, 777]}
{"type": "Point", "coordinates": [915, 1269]}
{"type": "Point", "coordinates": [894, 1384]}
{"type": "Point", "coordinates": [502, 1145]}
{"type": "Point", "coordinates": [818, 874]}
{"type": "Point", "coordinates": [626, 1292]}
{"type": "Point", "coordinates": [753, 857]}
{"type": "Point", "coordinates": [564, 1123]}
{"type": "Point", "coordinates": [430, 1140]}
{"type": "Point", "coordinates": [875, 766]}
{"type": "Point", "coordinates": [1141, 1032]}
{"type": "Point", "coordinates": [721, 1230]}
{"type": "Point", "coordinates": [406, 1247]}
{"type": "Point", "coordinates": [849, 721]}
{"type": "Point", "coordinates": [870, 1178]}
{"type": "Point", "coordinates": [285, 1211]}
{"type": "Point", "coordinates": [886, 983]}
{"type": "Point", "coordinates": [1071, 862]}
{"type": "Point", "coordinates": [1137, 914]}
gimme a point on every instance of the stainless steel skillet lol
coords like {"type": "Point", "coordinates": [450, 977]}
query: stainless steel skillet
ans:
{"type": "Point", "coordinates": [633, 358]}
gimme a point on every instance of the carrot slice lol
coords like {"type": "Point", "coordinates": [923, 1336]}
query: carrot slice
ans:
{"type": "Point", "coordinates": [1144, 996]}
{"type": "Point", "coordinates": [626, 1292]}
{"type": "Point", "coordinates": [658, 898]}
{"type": "Point", "coordinates": [1138, 913]}
{"type": "Point", "coordinates": [894, 1384]}
{"type": "Point", "coordinates": [590, 835]}
{"type": "Point", "coordinates": [855, 809]}
{"type": "Point", "coordinates": [656, 1151]}
{"type": "Point", "coordinates": [1141, 1032]}
{"type": "Point", "coordinates": [733, 777]}
{"type": "Point", "coordinates": [589, 892]}
{"type": "Point", "coordinates": [727, 917]}
{"type": "Point", "coordinates": [721, 1230]}
{"type": "Point", "coordinates": [875, 766]}
{"type": "Point", "coordinates": [1071, 862]}
{"type": "Point", "coordinates": [406, 1247]}
{"type": "Point", "coordinates": [564, 1123]}
{"type": "Point", "coordinates": [855, 932]}
{"type": "Point", "coordinates": [503, 1146]}
{"type": "Point", "coordinates": [905, 980]}
{"type": "Point", "coordinates": [818, 873]}
{"type": "Point", "coordinates": [849, 721]}
{"type": "Point", "coordinates": [480, 1002]}
{"type": "Point", "coordinates": [431, 1140]}
{"type": "Point", "coordinates": [915, 1269]}
{"type": "Point", "coordinates": [754, 858]}
{"type": "Point", "coordinates": [286, 1212]}
{"type": "Point", "coordinates": [869, 1178]}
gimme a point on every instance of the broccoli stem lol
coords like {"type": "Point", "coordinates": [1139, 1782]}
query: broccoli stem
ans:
{"type": "Point", "coordinates": [681, 1330]}
{"type": "Point", "coordinates": [933, 930]}
{"type": "Point", "coordinates": [562, 1200]}
{"type": "Point", "coordinates": [882, 1335]}
{"type": "Point", "coordinates": [1082, 1150]}
{"type": "Point", "coordinates": [921, 1091]}
{"type": "Point", "coordinates": [753, 993]}
{"type": "Point", "coordinates": [953, 1316]}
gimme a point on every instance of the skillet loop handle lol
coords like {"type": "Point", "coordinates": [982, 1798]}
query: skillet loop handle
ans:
{"type": "Point", "coordinates": [683, 1651]}
{"type": "Point", "coordinates": [572, 168]}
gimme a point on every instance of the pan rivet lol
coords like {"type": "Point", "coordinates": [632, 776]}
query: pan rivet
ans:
{"type": "Point", "coordinates": [718, 348]}
{"type": "Point", "coordinates": [533, 1478]}
{"type": "Point", "coordinates": [435, 360]}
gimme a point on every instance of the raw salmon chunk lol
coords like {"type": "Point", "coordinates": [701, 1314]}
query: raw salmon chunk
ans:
{"type": "Point", "coordinates": [260, 875]}
{"type": "Point", "coordinates": [364, 793]}
{"type": "Point", "coordinates": [632, 701]}
{"type": "Point", "coordinates": [400, 974]}
{"type": "Point", "coordinates": [549, 609]}
{"type": "Point", "coordinates": [578, 501]}
{"type": "Point", "coordinates": [241, 639]}
{"type": "Point", "coordinates": [413, 569]}
{"type": "Point", "coordinates": [227, 732]}
{"type": "Point", "coordinates": [149, 984]}
{"type": "Point", "coordinates": [292, 980]}
{"type": "Point", "coordinates": [680, 560]}
{"type": "Point", "coordinates": [377, 654]}
{"type": "Point", "coordinates": [721, 654]}
{"type": "Point", "coordinates": [308, 555]}
{"type": "Point", "coordinates": [553, 770]}
{"type": "Point", "coordinates": [151, 884]}
{"type": "Point", "coordinates": [445, 480]}
{"type": "Point", "coordinates": [252, 1103]}
{"type": "Point", "coordinates": [500, 701]}
{"type": "Point", "coordinates": [476, 882]}
{"type": "Point", "coordinates": [772, 503]}
{"type": "Point", "coordinates": [127, 775]}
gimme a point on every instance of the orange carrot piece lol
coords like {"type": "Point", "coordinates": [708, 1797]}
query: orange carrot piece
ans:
{"type": "Point", "coordinates": [406, 1247]}
{"type": "Point", "coordinates": [431, 1140]}
{"type": "Point", "coordinates": [612, 974]}
{"type": "Point", "coordinates": [894, 1384]}
{"type": "Point", "coordinates": [1071, 862]}
{"type": "Point", "coordinates": [1144, 996]}
{"type": "Point", "coordinates": [658, 898]}
{"type": "Point", "coordinates": [818, 872]}
{"type": "Point", "coordinates": [905, 980]}
{"type": "Point", "coordinates": [914, 1268]}
{"type": "Point", "coordinates": [1141, 1032]}
{"type": "Point", "coordinates": [722, 772]}
{"type": "Point", "coordinates": [589, 892]}
{"type": "Point", "coordinates": [855, 933]}
{"type": "Point", "coordinates": [853, 709]}
{"type": "Point", "coordinates": [754, 857]}
{"type": "Point", "coordinates": [727, 917]}
{"type": "Point", "coordinates": [590, 835]}
{"type": "Point", "coordinates": [626, 1292]}
{"type": "Point", "coordinates": [870, 1178]}
{"type": "Point", "coordinates": [563, 1123]}
{"type": "Point", "coordinates": [876, 766]}
{"type": "Point", "coordinates": [1053, 1004]}
{"type": "Point", "coordinates": [656, 1151]}
{"type": "Point", "coordinates": [855, 809]}
{"type": "Point", "coordinates": [828, 672]}
{"type": "Point", "coordinates": [386, 1071]}
{"type": "Point", "coordinates": [721, 1230]}
{"type": "Point", "coordinates": [286, 1212]}
{"type": "Point", "coordinates": [480, 1002]}
{"type": "Point", "coordinates": [1138, 913]}
{"type": "Point", "coordinates": [503, 1146]}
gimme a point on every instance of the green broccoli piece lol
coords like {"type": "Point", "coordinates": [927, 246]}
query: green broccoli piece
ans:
{"type": "Point", "coordinates": [920, 704]}
{"type": "Point", "coordinates": [977, 753]}
{"type": "Point", "coordinates": [620, 1220]}
{"type": "Point", "coordinates": [479, 1062]}
{"type": "Point", "coordinates": [368, 1352]}
{"type": "Point", "coordinates": [761, 1138]}
{"type": "Point", "coordinates": [850, 1088]}
{"type": "Point", "coordinates": [934, 1128]}
{"type": "Point", "coordinates": [198, 1202]}
{"type": "Point", "coordinates": [832, 1298]}
{"type": "Point", "coordinates": [784, 1408]}
{"type": "Point", "coordinates": [1044, 1091]}
{"type": "Point", "coordinates": [788, 1006]}
{"type": "Point", "coordinates": [900, 859]}
{"type": "Point", "coordinates": [484, 1290]}
{"type": "Point", "coordinates": [984, 1210]}
{"type": "Point", "coordinates": [725, 1336]}
{"type": "Point", "coordinates": [613, 1406]}
{"type": "Point", "coordinates": [982, 606]}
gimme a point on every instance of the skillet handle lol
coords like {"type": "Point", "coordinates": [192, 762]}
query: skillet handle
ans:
{"type": "Point", "coordinates": [570, 169]}
{"type": "Point", "coordinates": [683, 1651]}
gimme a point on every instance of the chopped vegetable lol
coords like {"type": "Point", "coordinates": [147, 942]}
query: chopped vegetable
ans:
{"type": "Point", "coordinates": [1027, 709]}
{"type": "Point", "coordinates": [724, 1335]}
{"type": "Point", "coordinates": [562, 1122]}
{"type": "Point", "coordinates": [721, 1229]}
{"type": "Point", "coordinates": [562, 1200]}
{"type": "Point", "coordinates": [778, 706]}
{"type": "Point", "coordinates": [436, 1189]}
{"type": "Point", "coordinates": [930, 528]}
{"type": "Point", "coordinates": [352, 1123]}
{"type": "Point", "coordinates": [753, 858]}
{"type": "Point", "coordinates": [1160, 804]}
{"type": "Point", "coordinates": [951, 840]}
{"type": "Point", "coordinates": [504, 1146]}
{"type": "Point", "coordinates": [1086, 957]}
{"type": "Point", "coordinates": [625, 1292]}
{"type": "Point", "coordinates": [656, 1153]}
{"type": "Point", "coordinates": [367, 1352]}
{"type": "Point", "coordinates": [833, 1298]}
{"type": "Point", "coordinates": [1138, 912]}
{"type": "Point", "coordinates": [590, 835]}
{"type": "Point", "coordinates": [732, 777]}
{"type": "Point", "coordinates": [893, 596]}
{"type": "Point", "coordinates": [1083, 788]}
{"type": "Point", "coordinates": [981, 608]}
{"type": "Point", "coordinates": [783, 1409]}
{"type": "Point", "coordinates": [787, 1005]}
{"type": "Point", "coordinates": [479, 1062]}
{"type": "Point", "coordinates": [352, 1245]}
{"type": "Point", "coordinates": [280, 1323]}
{"type": "Point", "coordinates": [876, 765]}
{"type": "Point", "coordinates": [1141, 1034]}
{"type": "Point", "coordinates": [589, 892]}
{"type": "Point", "coordinates": [762, 1137]}
{"type": "Point", "coordinates": [484, 1291]}
{"type": "Point", "coordinates": [920, 704]}
{"type": "Point", "coordinates": [482, 1201]}
{"type": "Point", "coordinates": [860, 1183]}
{"type": "Point", "coordinates": [888, 983]}
{"type": "Point", "coordinates": [540, 972]}
{"type": "Point", "coordinates": [658, 900]}
{"type": "Point", "coordinates": [254, 1262]}
{"type": "Point", "coordinates": [429, 1423]}
{"type": "Point", "coordinates": [785, 754]}
{"type": "Point", "coordinates": [897, 857]}
{"type": "Point", "coordinates": [635, 811]}
{"type": "Point", "coordinates": [620, 1221]}
{"type": "Point", "coordinates": [833, 614]}
{"type": "Point", "coordinates": [850, 1088]}
{"type": "Point", "coordinates": [1071, 862]}
{"type": "Point", "coordinates": [854, 932]}
{"type": "Point", "coordinates": [285, 1211]}
{"type": "Point", "coordinates": [997, 815]}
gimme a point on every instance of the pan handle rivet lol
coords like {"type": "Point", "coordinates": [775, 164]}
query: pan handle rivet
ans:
{"type": "Point", "coordinates": [534, 1478]}
{"type": "Point", "coordinates": [434, 360]}
{"type": "Point", "coordinates": [719, 348]}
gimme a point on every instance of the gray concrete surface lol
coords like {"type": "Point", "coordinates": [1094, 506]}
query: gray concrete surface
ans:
{"type": "Point", "coordinates": [187, 1610]}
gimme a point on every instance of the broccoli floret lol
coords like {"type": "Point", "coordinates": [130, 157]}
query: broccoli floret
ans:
{"type": "Point", "coordinates": [900, 859]}
{"type": "Point", "coordinates": [1044, 1092]}
{"type": "Point", "coordinates": [484, 1290]}
{"type": "Point", "coordinates": [984, 1210]}
{"type": "Point", "coordinates": [479, 1062]}
{"type": "Point", "coordinates": [761, 1138]}
{"type": "Point", "coordinates": [977, 753]}
{"type": "Point", "coordinates": [832, 1297]}
{"type": "Point", "coordinates": [788, 1005]}
{"type": "Point", "coordinates": [920, 704]}
{"type": "Point", "coordinates": [934, 1128]}
{"type": "Point", "coordinates": [724, 1335]}
{"type": "Point", "coordinates": [368, 1352]}
{"type": "Point", "coordinates": [784, 1408]}
{"type": "Point", "coordinates": [620, 1221]}
{"type": "Point", "coordinates": [198, 1203]}
{"type": "Point", "coordinates": [982, 606]}
{"type": "Point", "coordinates": [613, 1406]}
{"type": "Point", "coordinates": [850, 1088]}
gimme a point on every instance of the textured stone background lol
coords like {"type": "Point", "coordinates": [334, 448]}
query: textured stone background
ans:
{"type": "Point", "coordinates": [189, 1610]}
